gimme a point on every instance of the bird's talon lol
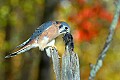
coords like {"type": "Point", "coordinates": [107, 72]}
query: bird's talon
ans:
{"type": "Point", "coordinates": [52, 48]}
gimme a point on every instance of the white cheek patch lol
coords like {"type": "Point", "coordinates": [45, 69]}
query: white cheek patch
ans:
{"type": "Point", "coordinates": [60, 30]}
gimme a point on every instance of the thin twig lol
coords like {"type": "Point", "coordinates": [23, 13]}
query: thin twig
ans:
{"type": "Point", "coordinates": [98, 65]}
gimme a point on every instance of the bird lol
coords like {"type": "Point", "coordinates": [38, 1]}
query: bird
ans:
{"type": "Point", "coordinates": [43, 37]}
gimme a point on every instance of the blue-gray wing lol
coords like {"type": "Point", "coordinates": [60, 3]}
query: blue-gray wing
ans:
{"type": "Point", "coordinates": [41, 29]}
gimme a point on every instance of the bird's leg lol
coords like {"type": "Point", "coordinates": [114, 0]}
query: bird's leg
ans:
{"type": "Point", "coordinates": [48, 51]}
{"type": "Point", "coordinates": [50, 48]}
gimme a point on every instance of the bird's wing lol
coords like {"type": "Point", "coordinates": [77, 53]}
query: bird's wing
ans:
{"type": "Point", "coordinates": [41, 29]}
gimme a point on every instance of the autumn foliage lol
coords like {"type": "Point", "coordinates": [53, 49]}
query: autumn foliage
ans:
{"type": "Point", "coordinates": [89, 20]}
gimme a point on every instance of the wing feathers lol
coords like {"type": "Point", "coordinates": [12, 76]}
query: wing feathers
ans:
{"type": "Point", "coordinates": [27, 45]}
{"type": "Point", "coordinates": [24, 43]}
{"type": "Point", "coordinates": [25, 48]}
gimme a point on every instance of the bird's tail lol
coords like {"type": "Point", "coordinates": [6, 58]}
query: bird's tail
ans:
{"type": "Point", "coordinates": [24, 47]}
{"type": "Point", "coordinates": [24, 43]}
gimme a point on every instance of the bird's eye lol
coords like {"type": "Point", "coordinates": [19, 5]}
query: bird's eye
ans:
{"type": "Point", "coordinates": [57, 22]}
{"type": "Point", "coordinates": [60, 26]}
{"type": "Point", "coordinates": [66, 27]}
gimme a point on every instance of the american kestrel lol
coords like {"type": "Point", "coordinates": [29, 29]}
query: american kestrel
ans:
{"type": "Point", "coordinates": [43, 37]}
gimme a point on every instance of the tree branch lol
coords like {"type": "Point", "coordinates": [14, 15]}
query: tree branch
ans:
{"type": "Point", "coordinates": [70, 60]}
{"type": "Point", "coordinates": [98, 65]}
{"type": "Point", "coordinates": [56, 64]}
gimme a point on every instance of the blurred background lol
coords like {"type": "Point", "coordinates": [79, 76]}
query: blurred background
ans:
{"type": "Point", "coordinates": [89, 21]}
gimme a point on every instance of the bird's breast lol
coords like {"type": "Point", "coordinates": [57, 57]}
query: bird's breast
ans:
{"type": "Point", "coordinates": [47, 36]}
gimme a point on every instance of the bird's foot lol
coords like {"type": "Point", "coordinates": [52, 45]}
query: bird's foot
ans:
{"type": "Point", "coordinates": [54, 47]}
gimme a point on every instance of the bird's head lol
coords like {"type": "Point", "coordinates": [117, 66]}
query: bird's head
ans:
{"type": "Point", "coordinates": [63, 27]}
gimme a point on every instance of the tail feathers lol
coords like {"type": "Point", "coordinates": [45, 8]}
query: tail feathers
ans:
{"type": "Point", "coordinates": [24, 43]}
{"type": "Point", "coordinates": [23, 49]}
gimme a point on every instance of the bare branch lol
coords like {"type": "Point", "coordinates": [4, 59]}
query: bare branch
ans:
{"type": "Point", "coordinates": [70, 60]}
{"type": "Point", "coordinates": [98, 65]}
{"type": "Point", "coordinates": [56, 63]}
